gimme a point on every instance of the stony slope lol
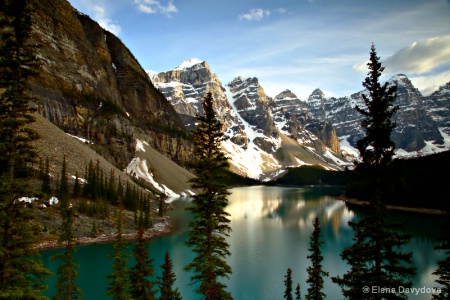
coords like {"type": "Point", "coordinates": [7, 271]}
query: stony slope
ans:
{"type": "Point", "coordinates": [91, 85]}
{"type": "Point", "coordinates": [55, 144]}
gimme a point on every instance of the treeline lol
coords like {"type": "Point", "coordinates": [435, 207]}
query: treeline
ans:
{"type": "Point", "coordinates": [312, 175]}
{"type": "Point", "coordinates": [417, 182]}
{"type": "Point", "coordinates": [97, 190]}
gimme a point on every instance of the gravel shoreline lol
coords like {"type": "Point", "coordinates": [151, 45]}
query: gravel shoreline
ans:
{"type": "Point", "coordinates": [420, 210]}
{"type": "Point", "coordinates": [161, 228]}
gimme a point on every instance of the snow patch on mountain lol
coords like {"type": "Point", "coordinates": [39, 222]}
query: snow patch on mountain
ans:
{"type": "Point", "coordinates": [188, 63]}
{"type": "Point", "coordinates": [345, 146]}
{"type": "Point", "coordinates": [139, 169]}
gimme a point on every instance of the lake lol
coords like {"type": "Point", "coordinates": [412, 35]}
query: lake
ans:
{"type": "Point", "coordinates": [271, 232]}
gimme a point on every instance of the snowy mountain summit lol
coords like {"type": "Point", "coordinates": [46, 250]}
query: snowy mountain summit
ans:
{"type": "Point", "coordinates": [189, 63]}
{"type": "Point", "coordinates": [265, 138]}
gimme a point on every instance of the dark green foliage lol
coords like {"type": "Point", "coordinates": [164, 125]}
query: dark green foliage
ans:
{"type": "Point", "coordinates": [377, 148]}
{"type": "Point", "coordinates": [17, 64]}
{"type": "Point", "coordinates": [141, 286]}
{"type": "Point", "coordinates": [375, 258]}
{"type": "Point", "coordinates": [288, 285]}
{"type": "Point", "coordinates": [66, 286]}
{"type": "Point", "coordinates": [413, 180]}
{"type": "Point", "coordinates": [94, 229]}
{"type": "Point", "coordinates": [101, 190]}
{"type": "Point", "coordinates": [46, 188]}
{"type": "Point", "coordinates": [443, 270]}
{"type": "Point", "coordinates": [22, 274]}
{"type": "Point", "coordinates": [167, 280]}
{"type": "Point", "coordinates": [76, 186]}
{"type": "Point", "coordinates": [312, 175]}
{"type": "Point", "coordinates": [233, 179]}
{"type": "Point", "coordinates": [210, 227]}
{"type": "Point", "coordinates": [118, 284]}
{"type": "Point", "coordinates": [315, 272]}
{"type": "Point", "coordinates": [63, 188]}
{"type": "Point", "coordinates": [298, 296]}
{"type": "Point", "coordinates": [161, 208]}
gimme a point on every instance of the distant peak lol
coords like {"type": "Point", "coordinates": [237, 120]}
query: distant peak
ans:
{"type": "Point", "coordinates": [189, 63]}
{"type": "Point", "coordinates": [401, 77]}
{"type": "Point", "coordinates": [318, 92]}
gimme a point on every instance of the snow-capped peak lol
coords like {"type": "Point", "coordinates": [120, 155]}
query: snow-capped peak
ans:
{"type": "Point", "coordinates": [151, 73]}
{"type": "Point", "coordinates": [188, 63]}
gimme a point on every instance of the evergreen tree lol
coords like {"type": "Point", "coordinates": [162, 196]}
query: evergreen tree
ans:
{"type": "Point", "coordinates": [147, 214]}
{"type": "Point", "coordinates": [377, 148]}
{"type": "Point", "coordinates": [63, 189]}
{"type": "Point", "coordinates": [443, 270]}
{"type": "Point", "coordinates": [210, 227]}
{"type": "Point", "coordinates": [161, 207]}
{"type": "Point", "coordinates": [315, 272]}
{"type": "Point", "coordinates": [76, 186]}
{"type": "Point", "coordinates": [141, 286]}
{"type": "Point", "coordinates": [118, 285]}
{"type": "Point", "coordinates": [94, 229]}
{"type": "Point", "coordinates": [46, 189]}
{"type": "Point", "coordinates": [288, 285]}
{"type": "Point", "coordinates": [167, 280]}
{"type": "Point", "coordinates": [297, 292]}
{"type": "Point", "coordinates": [22, 274]}
{"type": "Point", "coordinates": [375, 257]}
{"type": "Point", "coordinates": [66, 286]}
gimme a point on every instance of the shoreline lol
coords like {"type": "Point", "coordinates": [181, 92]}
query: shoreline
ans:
{"type": "Point", "coordinates": [421, 210]}
{"type": "Point", "coordinates": [158, 229]}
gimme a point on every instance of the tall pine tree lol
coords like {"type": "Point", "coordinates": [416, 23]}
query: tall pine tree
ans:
{"type": "Point", "coordinates": [66, 286]}
{"type": "Point", "coordinates": [288, 285]}
{"type": "Point", "coordinates": [375, 258]}
{"type": "Point", "coordinates": [167, 280]}
{"type": "Point", "coordinates": [443, 270]}
{"type": "Point", "coordinates": [210, 227]}
{"type": "Point", "coordinates": [298, 296]}
{"type": "Point", "coordinates": [22, 274]}
{"type": "Point", "coordinates": [46, 188]}
{"type": "Point", "coordinates": [315, 272]}
{"type": "Point", "coordinates": [141, 285]}
{"type": "Point", "coordinates": [63, 188]}
{"type": "Point", "coordinates": [118, 285]}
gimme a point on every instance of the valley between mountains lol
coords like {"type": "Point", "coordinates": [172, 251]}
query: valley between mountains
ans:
{"type": "Point", "coordinates": [92, 87]}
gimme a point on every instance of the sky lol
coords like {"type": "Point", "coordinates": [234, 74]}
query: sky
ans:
{"type": "Point", "coordinates": [299, 45]}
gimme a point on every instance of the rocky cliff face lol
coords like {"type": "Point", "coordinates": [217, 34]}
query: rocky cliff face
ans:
{"type": "Point", "coordinates": [300, 123]}
{"type": "Point", "coordinates": [253, 106]}
{"type": "Point", "coordinates": [266, 135]}
{"type": "Point", "coordinates": [437, 106]}
{"type": "Point", "coordinates": [415, 124]}
{"type": "Point", "coordinates": [185, 86]}
{"type": "Point", "coordinates": [90, 85]}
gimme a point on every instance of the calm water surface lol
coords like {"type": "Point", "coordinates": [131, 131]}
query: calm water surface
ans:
{"type": "Point", "coordinates": [271, 231]}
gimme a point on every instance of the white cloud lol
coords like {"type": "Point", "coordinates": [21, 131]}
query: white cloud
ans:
{"type": "Point", "coordinates": [154, 6]}
{"type": "Point", "coordinates": [106, 23]}
{"type": "Point", "coordinates": [429, 84]}
{"type": "Point", "coordinates": [281, 10]}
{"type": "Point", "coordinates": [420, 57]}
{"type": "Point", "coordinates": [256, 14]}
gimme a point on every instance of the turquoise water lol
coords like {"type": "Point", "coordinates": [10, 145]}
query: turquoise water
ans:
{"type": "Point", "coordinates": [271, 231]}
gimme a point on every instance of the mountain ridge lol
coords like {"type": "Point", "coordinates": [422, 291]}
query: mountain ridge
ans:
{"type": "Point", "coordinates": [334, 121]}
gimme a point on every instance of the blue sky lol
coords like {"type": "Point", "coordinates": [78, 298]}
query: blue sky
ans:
{"type": "Point", "coordinates": [288, 44]}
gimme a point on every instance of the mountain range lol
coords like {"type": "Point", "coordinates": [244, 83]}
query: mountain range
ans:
{"type": "Point", "coordinates": [269, 134]}
{"type": "Point", "coordinates": [92, 87]}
